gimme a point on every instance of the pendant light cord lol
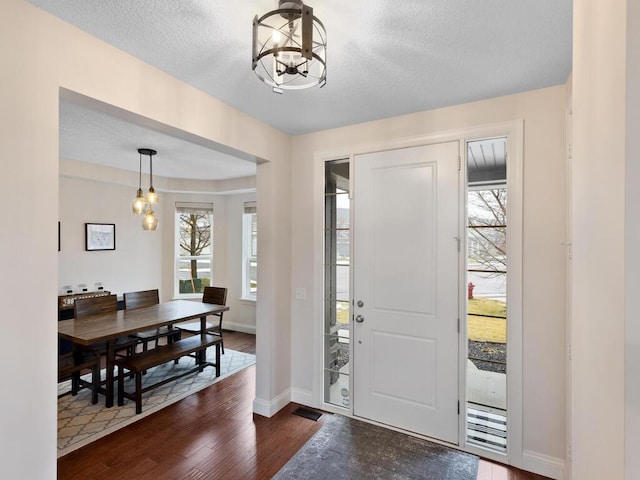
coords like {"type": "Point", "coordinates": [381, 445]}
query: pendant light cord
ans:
{"type": "Point", "coordinates": [151, 171]}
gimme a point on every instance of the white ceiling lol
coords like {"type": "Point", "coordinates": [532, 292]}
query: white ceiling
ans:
{"type": "Point", "coordinates": [384, 58]}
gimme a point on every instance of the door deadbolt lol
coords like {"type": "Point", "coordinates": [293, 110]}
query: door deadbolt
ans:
{"type": "Point", "coordinates": [360, 303]}
{"type": "Point", "coordinates": [359, 319]}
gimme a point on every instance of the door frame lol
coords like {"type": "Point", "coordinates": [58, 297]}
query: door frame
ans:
{"type": "Point", "coordinates": [514, 131]}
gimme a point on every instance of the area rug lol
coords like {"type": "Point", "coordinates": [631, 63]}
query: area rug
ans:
{"type": "Point", "coordinates": [80, 423]}
{"type": "Point", "coordinates": [344, 448]}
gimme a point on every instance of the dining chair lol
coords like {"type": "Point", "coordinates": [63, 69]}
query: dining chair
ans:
{"type": "Point", "coordinates": [147, 298]}
{"type": "Point", "coordinates": [85, 307]}
{"type": "Point", "coordinates": [216, 296]}
{"type": "Point", "coordinates": [71, 365]}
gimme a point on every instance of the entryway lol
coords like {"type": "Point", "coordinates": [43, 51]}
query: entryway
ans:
{"type": "Point", "coordinates": [397, 266]}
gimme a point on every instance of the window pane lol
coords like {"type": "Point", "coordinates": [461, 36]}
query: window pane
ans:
{"type": "Point", "coordinates": [337, 358]}
{"type": "Point", "coordinates": [337, 316]}
{"type": "Point", "coordinates": [194, 275]}
{"type": "Point", "coordinates": [250, 254]}
{"type": "Point", "coordinates": [342, 247]}
{"type": "Point", "coordinates": [194, 234]}
{"type": "Point", "coordinates": [253, 276]}
{"type": "Point", "coordinates": [254, 235]}
{"type": "Point", "coordinates": [342, 283]}
{"type": "Point", "coordinates": [336, 388]}
{"type": "Point", "coordinates": [336, 175]}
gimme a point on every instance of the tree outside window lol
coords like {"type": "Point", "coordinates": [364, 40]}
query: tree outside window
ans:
{"type": "Point", "coordinates": [194, 246]}
{"type": "Point", "coordinates": [488, 229]}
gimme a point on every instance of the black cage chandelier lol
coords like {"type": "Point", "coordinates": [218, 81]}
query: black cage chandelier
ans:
{"type": "Point", "coordinates": [290, 47]}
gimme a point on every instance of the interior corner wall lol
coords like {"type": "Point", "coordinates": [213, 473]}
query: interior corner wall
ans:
{"type": "Point", "coordinates": [543, 112]}
{"type": "Point", "coordinates": [42, 54]}
{"type": "Point", "coordinates": [273, 338]}
{"type": "Point", "coordinates": [598, 296]}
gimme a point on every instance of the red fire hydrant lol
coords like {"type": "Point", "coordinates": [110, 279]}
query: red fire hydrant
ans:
{"type": "Point", "coordinates": [470, 290]}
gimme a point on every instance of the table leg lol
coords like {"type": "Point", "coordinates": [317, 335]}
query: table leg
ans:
{"type": "Point", "coordinates": [111, 356]}
{"type": "Point", "coordinates": [202, 354]}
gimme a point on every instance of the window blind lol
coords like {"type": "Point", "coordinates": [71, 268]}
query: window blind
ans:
{"type": "Point", "coordinates": [250, 207]}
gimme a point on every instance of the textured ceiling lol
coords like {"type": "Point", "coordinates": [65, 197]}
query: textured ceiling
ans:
{"type": "Point", "coordinates": [384, 57]}
{"type": "Point", "coordinates": [95, 137]}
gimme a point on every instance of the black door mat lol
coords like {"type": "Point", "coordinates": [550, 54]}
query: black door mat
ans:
{"type": "Point", "coordinates": [306, 413]}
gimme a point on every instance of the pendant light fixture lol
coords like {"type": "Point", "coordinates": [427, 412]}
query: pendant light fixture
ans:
{"type": "Point", "coordinates": [139, 204]}
{"type": "Point", "coordinates": [290, 47]}
{"type": "Point", "coordinates": [149, 221]}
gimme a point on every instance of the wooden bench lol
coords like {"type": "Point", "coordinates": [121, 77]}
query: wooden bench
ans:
{"type": "Point", "coordinates": [139, 362]}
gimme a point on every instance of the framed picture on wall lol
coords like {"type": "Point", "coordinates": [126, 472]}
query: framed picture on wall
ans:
{"type": "Point", "coordinates": [100, 236]}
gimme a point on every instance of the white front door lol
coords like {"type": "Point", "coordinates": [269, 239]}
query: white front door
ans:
{"type": "Point", "coordinates": [406, 253]}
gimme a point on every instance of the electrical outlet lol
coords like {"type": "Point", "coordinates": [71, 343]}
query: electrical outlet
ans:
{"type": "Point", "coordinates": [301, 293]}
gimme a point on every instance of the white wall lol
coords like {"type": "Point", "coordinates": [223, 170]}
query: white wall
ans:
{"type": "Point", "coordinates": [598, 321]}
{"type": "Point", "coordinates": [133, 265]}
{"type": "Point", "coordinates": [40, 55]}
{"type": "Point", "coordinates": [543, 112]}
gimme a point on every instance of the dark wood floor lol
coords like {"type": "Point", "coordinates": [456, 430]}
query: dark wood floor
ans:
{"type": "Point", "coordinates": [212, 434]}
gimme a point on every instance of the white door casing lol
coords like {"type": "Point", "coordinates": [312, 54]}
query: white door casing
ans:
{"type": "Point", "coordinates": [406, 264]}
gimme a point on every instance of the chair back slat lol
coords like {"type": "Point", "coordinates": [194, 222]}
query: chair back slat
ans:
{"type": "Point", "coordinates": [141, 299]}
{"type": "Point", "coordinates": [215, 295]}
{"type": "Point", "coordinates": [93, 306]}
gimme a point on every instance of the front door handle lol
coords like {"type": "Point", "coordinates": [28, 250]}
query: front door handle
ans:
{"type": "Point", "coordinates": [359, 319]}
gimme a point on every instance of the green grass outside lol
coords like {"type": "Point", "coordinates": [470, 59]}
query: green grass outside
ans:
{"type": "Point", "coordinates": [342, 316]}
{"type": "Point", "coordinates": [486, 329]}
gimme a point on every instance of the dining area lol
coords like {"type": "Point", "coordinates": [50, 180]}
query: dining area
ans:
{"type": "Point", "coordinates": [111, 339]}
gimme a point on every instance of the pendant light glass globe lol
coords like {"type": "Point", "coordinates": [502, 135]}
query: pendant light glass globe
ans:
{"type": "Point", "coordinates": [152, 196]}
{"type": "Point", "coordinates": [139, 204]}
{"type": "Point", "coordinates": [150, 221]}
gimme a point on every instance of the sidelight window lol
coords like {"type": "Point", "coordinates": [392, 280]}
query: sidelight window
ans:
{"type": "Point", "coordinates": [336, 283]}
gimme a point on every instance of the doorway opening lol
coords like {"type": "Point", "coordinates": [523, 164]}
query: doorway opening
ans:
{"type": "Point", "coordinates": [486, 280]}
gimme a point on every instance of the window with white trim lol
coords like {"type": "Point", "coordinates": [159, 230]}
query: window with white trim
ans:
{"type": "Point", "coordinates": [250, 251]}
{"type": "Point", "coordinates": [194, 248]}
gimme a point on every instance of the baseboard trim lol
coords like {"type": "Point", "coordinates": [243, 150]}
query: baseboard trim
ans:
{"type": "Point", "coordinates": [269, 409]}
{"type": "Point", "coordinates": [541, 464]}
{"type": "Point", "coordinates": [303, 397]}
{"type": "Point", "coordinates": [240, 327]}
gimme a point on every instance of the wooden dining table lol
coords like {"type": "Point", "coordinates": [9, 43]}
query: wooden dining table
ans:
{"type": "Point", "coordinates": [109, 327]}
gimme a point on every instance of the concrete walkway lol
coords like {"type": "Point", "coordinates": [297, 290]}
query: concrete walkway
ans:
{"type": "Point", "coordinates": [486, 388]}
